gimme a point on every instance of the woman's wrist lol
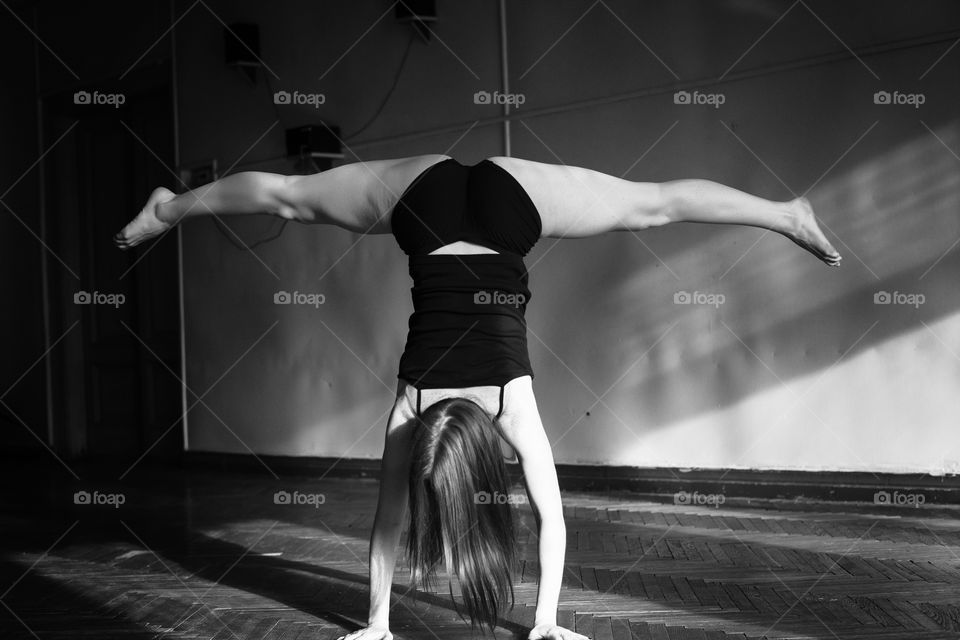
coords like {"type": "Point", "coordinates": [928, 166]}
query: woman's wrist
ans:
{"type": "Point", "coordinates": [546, 612]}
{"type": "Point", "coordinates": [379, 621]}
{"type": "Point", "coordinates": [379, 614]}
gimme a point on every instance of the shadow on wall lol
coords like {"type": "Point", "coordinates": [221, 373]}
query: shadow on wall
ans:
{"type": "Point", "coordinates": [696, 344]}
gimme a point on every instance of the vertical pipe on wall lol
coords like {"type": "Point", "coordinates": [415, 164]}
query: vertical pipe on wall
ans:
{"type": "Point", "coordinates": [504, 76]}
{"type": "Point", "coordinates": [44, 271]}
{"type": "Point", "coordinates": [176, 168]}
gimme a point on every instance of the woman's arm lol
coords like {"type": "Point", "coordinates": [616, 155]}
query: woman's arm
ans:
{"type": "Point", "coordinates": [575, 202]}
{"type": "Point", "coordinates": [388, 522]}
{"type": "Point", "coordinates": [359, 197]}
{"type": "Point", "coordinates": [540, 476]}
{"type": "Point", "coordinates": [524, 431]}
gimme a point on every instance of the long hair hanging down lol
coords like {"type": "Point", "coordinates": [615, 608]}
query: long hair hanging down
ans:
{"type": "Point", "coordinates": [457, 471]}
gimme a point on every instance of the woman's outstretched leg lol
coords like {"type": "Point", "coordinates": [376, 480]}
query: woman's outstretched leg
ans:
{"type": "Point", "coordinates": [710, 202]}
{"type": "Point", "coordinates": [575, 202]}
{"type": "Point", "coordinates": [247, 192]}
{"type": "Point", "coordinates": [358, 197]}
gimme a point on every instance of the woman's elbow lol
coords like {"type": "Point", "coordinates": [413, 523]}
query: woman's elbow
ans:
{"type": "Point", "coordinates": [553, 524]}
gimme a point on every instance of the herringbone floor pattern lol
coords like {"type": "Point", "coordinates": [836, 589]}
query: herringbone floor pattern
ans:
{"type": "Point", "coordinates": [213, 556]}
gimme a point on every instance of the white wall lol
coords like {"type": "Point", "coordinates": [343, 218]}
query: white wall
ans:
{"type": "Point", "coordinates": [798, 369]}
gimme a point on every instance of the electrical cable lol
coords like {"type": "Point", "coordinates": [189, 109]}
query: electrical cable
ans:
{"type": "Point", "coordinates": [273, 100]}
{"type": "Point", "coordinates": [219, 225]}
{"type": "Point", "coordinates": [396, 81]}
{"type": "Point", "coordinates": [239, 244]}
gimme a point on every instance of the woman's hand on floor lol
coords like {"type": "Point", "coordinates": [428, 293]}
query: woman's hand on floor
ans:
{"type": "Point", "coordinates": [373, 632]}
{"type": "Point", "coordinates": [553, 632]}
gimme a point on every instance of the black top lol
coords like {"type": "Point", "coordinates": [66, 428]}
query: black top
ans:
{"type": "Point", "coordinates": [467, 328]}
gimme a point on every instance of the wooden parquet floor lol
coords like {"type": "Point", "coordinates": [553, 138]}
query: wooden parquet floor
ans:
{"type": "Point", "coordinates": [211, 555]}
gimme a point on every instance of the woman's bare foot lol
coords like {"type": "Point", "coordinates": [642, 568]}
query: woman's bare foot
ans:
{"type": "Point", "coordinates": [805, 231]}
{"type": "Point", "coordinates": [146, 225]}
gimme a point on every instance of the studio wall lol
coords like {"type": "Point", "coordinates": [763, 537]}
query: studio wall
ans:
{"type": "Point", "coordinates": [776, 362]}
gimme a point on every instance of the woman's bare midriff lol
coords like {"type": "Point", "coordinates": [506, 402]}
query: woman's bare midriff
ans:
{"type": "Point", "coordinates": [461, 248]}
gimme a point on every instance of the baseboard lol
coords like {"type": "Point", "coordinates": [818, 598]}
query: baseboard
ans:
{"type": "Point", "coordinates": [905, 489]}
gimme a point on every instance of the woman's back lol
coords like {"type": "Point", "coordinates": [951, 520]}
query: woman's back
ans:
{"type": "Point", "coordinates": [468, 327]}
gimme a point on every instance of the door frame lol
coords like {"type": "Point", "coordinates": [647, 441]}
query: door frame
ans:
{"type": "Point", "coordinates": [161, 75]}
